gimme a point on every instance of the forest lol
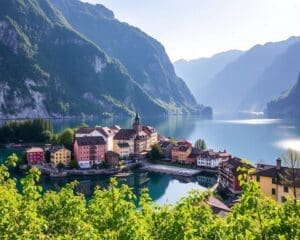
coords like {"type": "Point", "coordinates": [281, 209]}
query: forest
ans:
{"type": "Point", "coordinates": [111, 213]}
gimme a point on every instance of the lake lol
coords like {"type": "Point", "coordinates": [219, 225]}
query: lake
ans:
{"type": "Point", "coordinates": [259, 140]}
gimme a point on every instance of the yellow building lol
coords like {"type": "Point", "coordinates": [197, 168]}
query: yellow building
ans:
{"type": "Point", "coordinates": [59, 154]}
{"type": "Point", "coordinates": [276, 181]}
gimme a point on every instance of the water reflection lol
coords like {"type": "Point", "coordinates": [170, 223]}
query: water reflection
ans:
{"type": "Point", "coordinates": [162, 188]}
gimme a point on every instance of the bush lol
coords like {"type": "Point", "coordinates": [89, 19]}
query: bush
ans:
{"type": "Point", "coordinates": [28, 213]}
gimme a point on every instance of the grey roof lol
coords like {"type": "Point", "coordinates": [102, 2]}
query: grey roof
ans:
{"type": "Point", "coordinates": [86, 141]}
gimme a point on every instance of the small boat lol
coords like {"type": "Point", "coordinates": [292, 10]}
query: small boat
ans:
{"type": "Point", "coordinates": [123, 174]}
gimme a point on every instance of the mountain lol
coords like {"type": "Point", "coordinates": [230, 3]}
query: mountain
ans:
{"type": "Point", "coordinates": [198, 72]}
{"type": "Point", "coordinates": [144, 57]}
{"type": "Point", "coordinates": [276, 78]}
{"type": "Point", "coordinates": [287, 105]}
{"type": "Point", "coordinates": [226, 91]}
{"type": "Point", "coordinates": [49, 69]}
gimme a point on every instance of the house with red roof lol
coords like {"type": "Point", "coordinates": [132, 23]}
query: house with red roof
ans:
{"type": "Point", "coordinates": [35, 155]}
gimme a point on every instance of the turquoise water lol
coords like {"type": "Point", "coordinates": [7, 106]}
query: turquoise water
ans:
{"type": "Point", "coordinates": [259, 140]}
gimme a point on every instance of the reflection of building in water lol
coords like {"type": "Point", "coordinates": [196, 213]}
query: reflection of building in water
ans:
{"type": "Point", "coordinates": [183, 179]}
{"type": "Point", "coordinates": [207, 180]}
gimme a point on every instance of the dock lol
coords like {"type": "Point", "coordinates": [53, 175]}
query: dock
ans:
{"type": "Point", "coordinates": [172, 170]}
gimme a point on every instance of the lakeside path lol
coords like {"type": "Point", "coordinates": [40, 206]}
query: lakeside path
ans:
{"type": "Point", "coordinates": [172, 170]}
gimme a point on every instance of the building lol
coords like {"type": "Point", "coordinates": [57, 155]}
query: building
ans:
{"type": "Point", "coordinates": [276, 181]}
{"type": "Point", "coordinates": [137, 140]}
{"type": "Point", "coordinates": [152, 133]}
{"type": "Point", "coordinates": [181, 152]}
{"type": "Point", "coordinates": [193, 157]}
{"type": "Point", "coordinates": [211, 159]}
{"type": "Point", "coordinates": [89, 150]}
{"type": "Point", "coordinates": [105, 132]}
{"type": "Point", "coordinates": [166, 147]}
{"type": "Point", "coordinates": [228, 174]}
{"type": "Point", "coordinates": [35, 155]}
{"type": "Point", "coordinates": [217, 206]}
{"type": "Point", "coordinates": [59, 154]}
{"type": "Point", "coordinates": [112, 158]}
{"type": "Point", "coordinates": [124, 142]}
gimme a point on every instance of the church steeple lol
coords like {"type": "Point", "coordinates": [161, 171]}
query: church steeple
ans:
{"type": "Point", "coordinates": [137, 123]}
{"type": "Point", "coordinates": [137, 118]}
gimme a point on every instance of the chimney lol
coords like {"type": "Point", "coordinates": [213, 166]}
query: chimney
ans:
{"type": "Point", "coordinates": [278, 163]}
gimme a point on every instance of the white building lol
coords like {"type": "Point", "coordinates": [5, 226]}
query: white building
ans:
{"type": "Point", "coordinates": [211, 159]}
{"type": "Point", "coordinates": [105, 132]}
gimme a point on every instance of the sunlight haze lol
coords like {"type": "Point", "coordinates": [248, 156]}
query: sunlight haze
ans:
{"type": "Point", "coordinates": [191, 29]}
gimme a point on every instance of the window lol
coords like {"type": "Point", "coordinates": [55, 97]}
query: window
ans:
{"type": "Point", "coordinates": [257, 178]}
{"type": "Point", "coordinates": [283, 199]}
{"type": "Point", "coordinates": [273, 191]}
{"type": "Point", "coordinates": [274, 180]}
{"type": "Point", "coordinates": [285, 189]}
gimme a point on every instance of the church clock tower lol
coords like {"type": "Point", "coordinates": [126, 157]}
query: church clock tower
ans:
{"type": "Point", "coordinates": [137, 123]}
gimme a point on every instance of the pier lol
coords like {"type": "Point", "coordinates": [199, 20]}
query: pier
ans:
{"type": "Point", "coordinates": [172, 170]}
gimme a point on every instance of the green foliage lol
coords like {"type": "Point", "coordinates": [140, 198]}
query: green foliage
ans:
{"type": "Point", "coordinates": [73, 164]}
{"type": "Point", "coordinates": [156, 152]}
{"type": "Point", "coordinates": [66, 138]}
{"type": "Point", "coordinates": [37, 130]}
{"type": "Point", "coordinates": [200, 144]}
{"type": "Point", "coordinates": [111, 213]}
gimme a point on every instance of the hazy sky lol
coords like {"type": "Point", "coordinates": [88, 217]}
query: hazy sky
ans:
{"type": "Point", "coordinates": [198, 28]}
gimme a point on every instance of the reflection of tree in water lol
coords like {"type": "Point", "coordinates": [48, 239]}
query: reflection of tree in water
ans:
{"type": "Point", "coordinates": [158, 184]}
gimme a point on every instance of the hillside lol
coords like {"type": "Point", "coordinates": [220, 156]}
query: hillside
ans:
{"type": "Point", "coordinates": [198, 72]}
{"type": "Point", "coordinates": [144, 57]}
{"type": "Point", "coordinates": [227, 90]}
{"type": "Point", "coordinates": [278, 77]}
{"type": "Point", "coordinates": [48, 69]}
{"type": "Point", "coordinates": [287, 105]}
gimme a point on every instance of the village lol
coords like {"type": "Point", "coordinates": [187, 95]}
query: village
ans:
{"type": "Point", "coordinates": [110, 150]}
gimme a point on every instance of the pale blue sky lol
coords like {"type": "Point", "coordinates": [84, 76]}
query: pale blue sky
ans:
{"type": "Point", "coordinates": [199, 28]}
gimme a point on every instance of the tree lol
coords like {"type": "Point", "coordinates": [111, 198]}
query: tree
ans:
{"type": "Point", "coordinates": [200, 144]}
{"type": "Point", "coordinates": [60, 165]}
{"type": "Point", "coordinates": [291, 174]}
{"type": "Point", "coordinates": [156, 152]}
{"type": "Point", "coordinates": [66, 138]}
{"type": "Point", "coordinates": [73, 164]}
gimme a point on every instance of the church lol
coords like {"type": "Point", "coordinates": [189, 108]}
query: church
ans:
{"type": "Point", "coordinates": [137, 141]}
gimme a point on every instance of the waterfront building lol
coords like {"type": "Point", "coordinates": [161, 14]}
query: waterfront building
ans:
{"type": "Point", "coordinates": [228, 174]}
{"type": "Point", "coordinates": [105, 132]}
{"type": "Point", "coordinates": [89, 150]}
{"type": "Point", "coordinates": [35, 155]}
{"type": "Point", "coordinates": [59, 154]}
{"type": "Point", "coordinates": [211, 159]}
{"type": "Point", "coordinates": [136, 141]}
{"type": "Point", "coordinates": [181, 152]}
{"type": "Point", "coordinates": [192, 158]}
{"type": "Point", "coordinates": [166, 147]}
{"type": "Point", "coordinates": [112, 158]}
{"type": "Point", "coordinates": [276, 180]}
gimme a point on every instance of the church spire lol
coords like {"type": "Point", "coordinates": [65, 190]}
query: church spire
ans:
{"type": "Point", "coordinates": [137, 123]}
{"type": "Point", "coordinates": [137, 118]}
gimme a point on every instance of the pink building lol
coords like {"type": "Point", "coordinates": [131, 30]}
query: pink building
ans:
{"type": "Point", "coordinates": [89, 150]}
{"type": "Point", "coordinates": [35, 155]}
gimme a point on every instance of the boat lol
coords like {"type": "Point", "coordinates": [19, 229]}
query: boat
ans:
{"type": "Point", "coordinates": [123, 174]}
